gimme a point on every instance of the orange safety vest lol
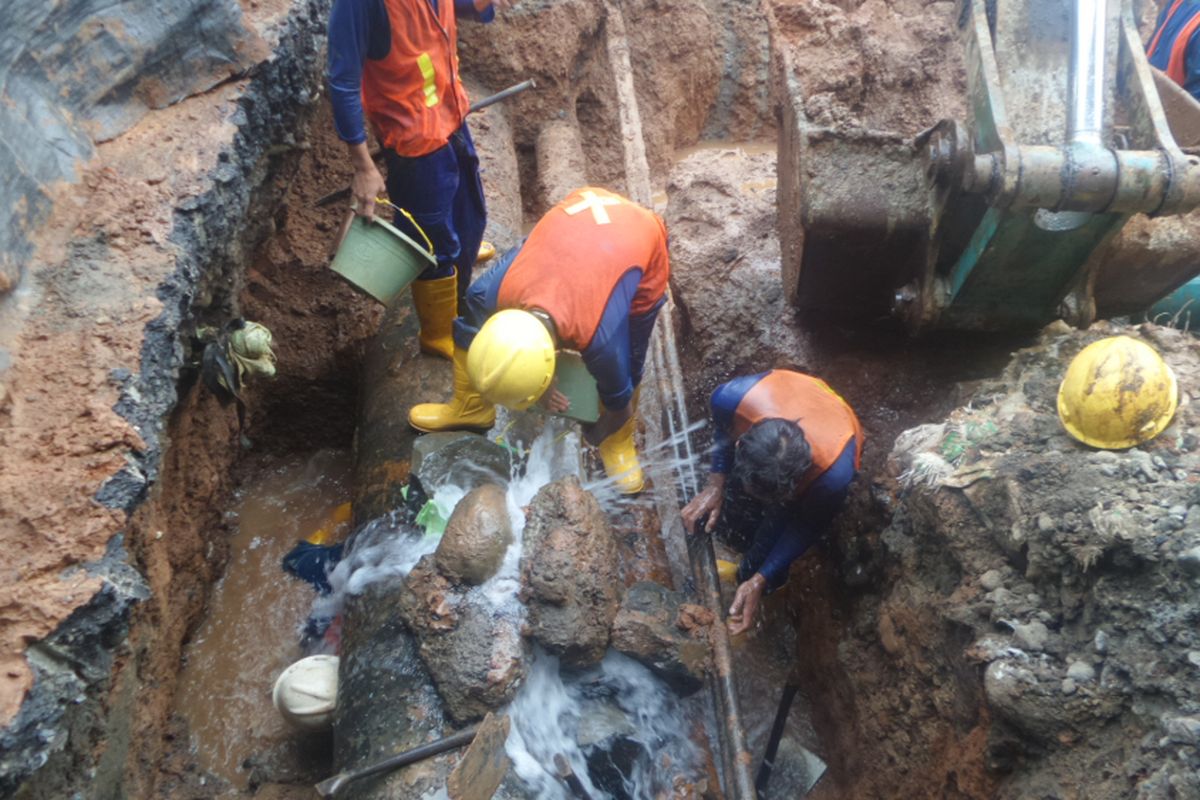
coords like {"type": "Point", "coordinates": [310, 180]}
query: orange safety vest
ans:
{"type": "Point", "coordinates": [577, 254]}
{"type": "Point", "coordinates": [827, 420]}
{"type": "Point", "coordinates": [414, 96]}
{"type": "Point", "coordinates": [1177, 63]}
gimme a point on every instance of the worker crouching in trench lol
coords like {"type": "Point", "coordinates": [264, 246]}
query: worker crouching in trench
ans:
{"type": "Point", "coordinates": [786, 448]}
{"type": "Point", "coordinates": [591, 277]}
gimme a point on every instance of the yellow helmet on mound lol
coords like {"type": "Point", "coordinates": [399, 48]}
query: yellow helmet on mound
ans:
{"type": "Point", "coordinates": [1117, 393]}
{"type": "Point", "coordinates": [511, 361]}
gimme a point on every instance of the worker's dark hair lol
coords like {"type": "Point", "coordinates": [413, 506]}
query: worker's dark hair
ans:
{"type": "Point", "coordinates": [771, 458]}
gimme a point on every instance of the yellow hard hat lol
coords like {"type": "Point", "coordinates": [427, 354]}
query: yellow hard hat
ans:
{"type": "Point", "coordinates": [511, 361]}
{"type": "Point", "coordinates": [1118, 392]}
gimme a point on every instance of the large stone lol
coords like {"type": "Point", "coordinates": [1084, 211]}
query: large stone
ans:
{"type": "Point", "coordinates": [670, 637]}
{"type": "Point", "coordinates": [464, 459]}
{"type": "Point", "coordinates": [569, 573]}
{"type": "Point", "coordinates": [386, 700]}
{"type": "Point", "coordinates": [473, 649]}
{"type": "Point", "coordinates": [477, 536]}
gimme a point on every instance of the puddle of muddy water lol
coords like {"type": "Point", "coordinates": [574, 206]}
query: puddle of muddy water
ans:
{"type": "Point", "coordinates": [251, 632]}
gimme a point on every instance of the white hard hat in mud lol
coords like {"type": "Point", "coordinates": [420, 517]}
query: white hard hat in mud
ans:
{"type": "Point", "coordinates": [306, 692]}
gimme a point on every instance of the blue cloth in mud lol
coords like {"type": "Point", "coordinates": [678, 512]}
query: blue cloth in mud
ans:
{"type": "Point", "coordinates": [312, 563]}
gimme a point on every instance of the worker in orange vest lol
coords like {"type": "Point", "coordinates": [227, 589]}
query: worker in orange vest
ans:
{"type": "Point", "coordinates": [785, 450]}
{"type": "Point", "coordinates": [397, 61]}
{"type": "Point", "coordinates": [1173, 47]}
{"type": "Point", "coordinates": [591, 277]}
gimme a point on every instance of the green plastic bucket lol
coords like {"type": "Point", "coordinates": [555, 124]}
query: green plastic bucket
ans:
{"type": "Point", "coordinates": [578, 385]}
{"type": "Point", "coordinates": [378, 259]}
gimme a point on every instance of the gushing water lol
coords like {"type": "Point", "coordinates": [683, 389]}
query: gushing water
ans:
{"type": "Point", "coordinates": [616, 721]}
{"type": "Point", "coordinates": [621, 729]}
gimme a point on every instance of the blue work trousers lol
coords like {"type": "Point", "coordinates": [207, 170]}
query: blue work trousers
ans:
{"type": "Point", "coordinates": [444, 193]}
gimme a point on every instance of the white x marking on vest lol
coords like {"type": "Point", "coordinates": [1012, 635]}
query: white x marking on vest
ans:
{"type": "Point", "coordinates": [596, 204]}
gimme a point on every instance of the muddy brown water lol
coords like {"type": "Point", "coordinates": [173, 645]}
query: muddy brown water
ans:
{"type": "Point", "coordinates": [251, 632]}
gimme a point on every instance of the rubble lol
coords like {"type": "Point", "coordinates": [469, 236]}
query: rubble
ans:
{"type": "Point", "coordinates": [1039, 591]}
{"type": "Point", "coordinates": [569, 573]}
{"type": "Point", "coordinates": [473, 650]}
{"type": "Point", "coordinates": [657, 628]}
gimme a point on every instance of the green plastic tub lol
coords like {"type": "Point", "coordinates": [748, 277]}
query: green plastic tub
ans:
{"type": "Point", "coordinates": [578, 385]}
{"type": "Point", "coordinates": [378, 259]}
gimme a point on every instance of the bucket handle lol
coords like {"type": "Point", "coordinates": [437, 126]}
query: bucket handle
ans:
{"type": "Point", "coordinates": [385, 202]}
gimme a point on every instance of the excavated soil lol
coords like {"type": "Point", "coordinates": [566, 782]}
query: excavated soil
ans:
{"type": "Point", "coordinates": [887, 65]}
{"type": "Point", "coordinates": [888, 640]}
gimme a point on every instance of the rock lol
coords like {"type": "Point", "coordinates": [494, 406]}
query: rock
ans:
{"type": "Point", "coordinates": [380, 673]}
{"type": "Point", "coordinates": [1183, 730]}
{"type": "Point", "coordinates": [1193, 658]}
{"type": "Point", "coordinates": [464, 459]}
{"type": "Point", "coordinates": [1068, 687]}
{"type": "Point", "coordinates": [1100, 642]}
{"type": "Point", "coordinates": [477, 536]}
{"type": "Point", "coordinates": [599, 723]}
{"type": "Point", "coordinates": [1081, 672]}
{"type": "Point", "coordinates": [990, 580]}
{"type": "Point", "coordinates": [1045, 523]}
{"type": "Point", "coordinates": [569, 573]}
{"type": "Point", "coordinates": [1143, 462]}
{"type": "Point", "coordinates": [670, 637]}
{"type": "Point", "coordinates": [485, 763]}
{"type": "Point", "coordinates": [473, 650]}
{"type": "Point", "coordinates": [1189, 561]}
{"type": "Point", "coordinates": [1031, 636]}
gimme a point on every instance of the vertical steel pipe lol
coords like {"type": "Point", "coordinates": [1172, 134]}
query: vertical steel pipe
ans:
{"type": "Point", "coordinates": [1085, 121]}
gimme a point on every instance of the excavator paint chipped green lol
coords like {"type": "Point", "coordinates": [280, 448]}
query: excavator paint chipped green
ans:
{"type": "Point", "coordinates": [999, 222]}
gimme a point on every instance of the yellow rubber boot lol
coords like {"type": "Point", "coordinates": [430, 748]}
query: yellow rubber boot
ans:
{"type": "Point", "coordinates": [487, 251]}
{"type": "Point", "coordinates": [437, 306]}
{"type": "Point", "coordinates": [619, 454]}
{"type": "Point", "coordinates": [467, 410]}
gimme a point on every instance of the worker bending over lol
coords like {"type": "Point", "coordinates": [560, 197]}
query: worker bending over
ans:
{"type": "Point", "coordinates": [398, 61]}
{"type": "Point", "coordinates": [785, 449]}
{"type": "Point", "coordinates": [1173, 47]}
{"type": "Point", "coordinates": [591, 277]}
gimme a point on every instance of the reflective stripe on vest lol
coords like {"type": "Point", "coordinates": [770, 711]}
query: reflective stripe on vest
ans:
{"type": "Point", "coordinates": [413, 96]}
{"type": "Point", "coordinates": [430, 75]}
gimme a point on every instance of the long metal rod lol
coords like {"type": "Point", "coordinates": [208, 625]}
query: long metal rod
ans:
{"type": "Point", "coordinates": [1085, 120]}
{"type": "Point", "coordinates": [331, 786]}
{"type": "Point", "coordinates": [739, 784]}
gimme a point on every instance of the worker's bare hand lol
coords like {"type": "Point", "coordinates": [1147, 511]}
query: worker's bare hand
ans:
{"type": "Point", "coordinates": [706, 504]}
{"type": "Point", "coordinates": [366, 186]}
{"type": "Point", "coordinates": [367, 183]}
{"type": "Point", "coordinates": [555, 401]}
{"type": "Point", "coordinates": [745, 604]}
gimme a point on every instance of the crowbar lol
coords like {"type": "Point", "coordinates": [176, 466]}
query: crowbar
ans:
{"type": "Point", "coordinates": [492, 99]}
{"type": "Point", "coordinates": [331, 786]}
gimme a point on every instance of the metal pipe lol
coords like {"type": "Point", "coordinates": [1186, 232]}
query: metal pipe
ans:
{"type": "Point", "coordinates": [1085, 116]}
{"type": "Point", "coordinates": [331, 786]}
{"type": "Point", "coordinates": [739, 783]}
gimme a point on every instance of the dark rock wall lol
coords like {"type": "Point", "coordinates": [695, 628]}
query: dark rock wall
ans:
{"type": "Point", "coordinates": [105, 66]}
{"type": "Point", "coordinates": [84, 71]}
